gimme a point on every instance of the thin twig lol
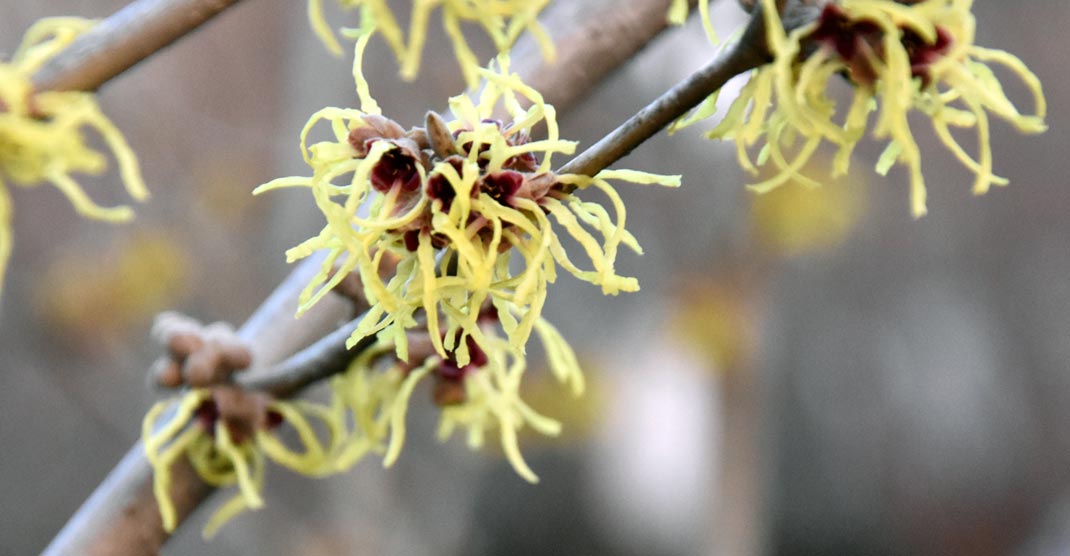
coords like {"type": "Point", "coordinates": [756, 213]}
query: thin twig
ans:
{"type": "Point", "coordinates": [750, 52]}
{"type": "Point", "coordinates": [323, 359]}
{"type": "Point", "coordinates": [122, 40]}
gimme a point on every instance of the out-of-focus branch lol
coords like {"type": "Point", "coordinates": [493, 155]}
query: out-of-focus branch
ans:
{"type": "Point", "coordinates": [119, 42]}
{"type": "Point", "coordinates": [594, 37]}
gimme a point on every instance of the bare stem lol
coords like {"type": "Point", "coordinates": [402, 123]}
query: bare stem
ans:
{"type": "Point", "coordinates": [323, 359]}
{"type": "Point", "coordinates": [122, 40]}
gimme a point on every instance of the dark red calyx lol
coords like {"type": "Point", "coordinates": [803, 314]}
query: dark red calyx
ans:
{"type": "Point", "coordinates": [412, 240]}
{"type": "Point", "coordinates": [923, 54]}
{"type": "Point", "coordinates": [274, 419]}
{"type": "Point", "coordinates": [488, 314]}
{"type": "Point", "coordinates": [439, 187]}
{"type": "Point", "coordinates": [852, 40]}
{"type": "Point", "coordinates": [466, 147]}
{"type": "Point", "coordinates": [858, 42]}
{"type": "Point", "coordinates": [502, 186]}
{"type": "Point", "coordinates": [396, 168]}
{"type": "Point", "coordinates": [524, 162]}
{"type": "Point", "coordinates": [449, 375]}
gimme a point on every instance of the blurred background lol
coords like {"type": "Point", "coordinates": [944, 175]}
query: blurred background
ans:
{"type": "Point", "coordinates": [805, 373]}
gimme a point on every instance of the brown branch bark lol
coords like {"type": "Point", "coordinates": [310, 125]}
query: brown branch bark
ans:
{"type": "Point", "coordinates": [122, 40]}
{"type": "Point", "coordinates": [594, 37]}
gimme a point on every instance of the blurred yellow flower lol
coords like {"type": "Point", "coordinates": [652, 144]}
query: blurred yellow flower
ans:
{"type": "Point", "coordinates": [899, 57]}
{"type": "Point", "coordinates": [41, 138]}
{"type": "Point", "coordinates": [797, 219]}
{"type": "Point", "coordinates": [502, 20]}
{"type": "Point", "coordinates": [678, 12]}
{"type": "Point", "coordinates": [95, 296]}
{"type": "Point", "coordinates": [712, 317]}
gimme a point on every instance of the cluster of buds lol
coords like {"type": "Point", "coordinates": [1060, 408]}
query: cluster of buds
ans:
{"type": "Point", "coordinates": [502, 20]}
{"type": "Point", "coordinates": [41, 134]}
{"type": "Point", "coordinates": [898, 56]}
{"type": "Point", "coordinates": [425, 151]}
{"type": "Point", "coordinates": [226, 432]}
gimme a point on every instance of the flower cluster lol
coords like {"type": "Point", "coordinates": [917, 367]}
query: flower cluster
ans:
{"type": "Point", "coordinates": [898, 56]}
{"type": "Point", "coordinates": [452, 228]}
{"type": "Point", "coordinates": [226, 433]}
{"type": "Point", "coordinates": [475, 191]}
{"type": "Point", "coordinates": [502, 20]}
{"type": "Point", "coordinates": [41, 138]}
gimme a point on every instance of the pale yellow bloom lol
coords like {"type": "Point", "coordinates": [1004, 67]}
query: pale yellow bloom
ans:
{"type": "Point", "coordinates": [447, 224]}
{"type": "Point", "coordinates": [794, 220]}
{"type": "Point", "coordinates": [899, 57]}
{"type": "Point", "coordinates": [41, 134]}
{"type": "Point", "coordinates": [479, 195]}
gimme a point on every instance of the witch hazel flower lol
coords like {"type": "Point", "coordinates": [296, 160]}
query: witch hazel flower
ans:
{"type": "Point", "coordinates": [227, 434]}
{"type": "Point", "coordinates": [469, 211]}
{"type": "Point", "coordinates": [502, 20]}
{"type": "Point", "coordinates": [480, 396]}
{"type": "Point", "coordinates": [898, 57]}
{"type": "Point", "coordinates": [42, 133]}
